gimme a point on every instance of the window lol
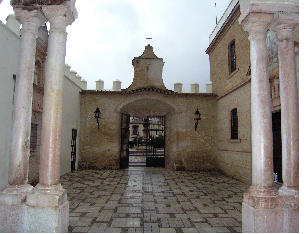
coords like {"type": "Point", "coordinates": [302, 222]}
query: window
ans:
{"type": "Point", "coordinates": [135, 129]}
{"type": "Point", "coordinates": [232, 57]}
{"type": "Point", "coordinates": [234, 124]}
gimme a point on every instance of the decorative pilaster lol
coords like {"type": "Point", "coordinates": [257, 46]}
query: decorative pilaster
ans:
{"type": "Point", "coordinates": [284, 25]}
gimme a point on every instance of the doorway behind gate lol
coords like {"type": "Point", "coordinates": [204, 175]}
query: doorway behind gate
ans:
{"type": "Point", "coordinates": [142, 141]}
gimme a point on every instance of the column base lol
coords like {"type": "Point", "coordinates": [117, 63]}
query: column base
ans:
{"type": "Point", "coordinates": [272, 213]}
{"type": "Point", "coordinates": [289, 197]}
{"type": "Point", "coordinates": [289, 191]}
{"type": "Point", "coordinates": [40, 209]}
{"type": "Point", "coordinates": [12, 208]}
{"type": "Point", "coordinates": [14, 194]}
{"type": "Point", "coordinates": [47, 209]}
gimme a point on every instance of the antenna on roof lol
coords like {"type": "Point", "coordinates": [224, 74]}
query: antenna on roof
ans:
{"type": "Point", "coordinates": [215, 15]}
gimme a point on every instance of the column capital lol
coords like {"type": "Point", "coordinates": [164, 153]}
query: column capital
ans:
{"type": "Point", "coordinates": [284, 24]}
{"type": "Point", "coordinates": [30, 20]}
{"type": "Point", "coordinates": [60, 16]}
{"type": "Point", "coordinates": [257, 23]}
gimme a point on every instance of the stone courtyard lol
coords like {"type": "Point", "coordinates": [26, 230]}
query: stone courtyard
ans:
{"type": "Point", "coordinates": [140, 199]}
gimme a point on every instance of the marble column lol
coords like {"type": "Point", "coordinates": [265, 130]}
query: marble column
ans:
{"type": "Point", "coordinates": [48, 205]}
{"type": "Point", "coordinates": [262, 141]}
{"type": "Point", "coordinates": [261, 198]}
{"type": "Point", "coordinates": [13, 197]}
{"type": "Point", "coordinates": [59, 19]}
{"type": "Point", "coordinates": [21, 126]}
{"type": "Point", "coordinates": [284, 25]}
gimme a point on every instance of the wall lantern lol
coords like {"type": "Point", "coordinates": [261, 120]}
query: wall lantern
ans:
{"type": "Point", "coordinates": [197, 117]}
{"type": "Point", "coordinates": [97, 115]}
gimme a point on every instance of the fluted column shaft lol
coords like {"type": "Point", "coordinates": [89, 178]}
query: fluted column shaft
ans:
{"type": "Point", "coordinates": [22, 112]}
{"type": "Point", "coordinates": [262, 141]}
{"type": "Point", "coordinates": [53, 89]}
{"type": "Point", "coordinates": [284, 25]}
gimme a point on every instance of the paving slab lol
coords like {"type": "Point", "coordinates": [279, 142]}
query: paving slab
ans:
{"type": "Point", "coordinates": [153, 200]}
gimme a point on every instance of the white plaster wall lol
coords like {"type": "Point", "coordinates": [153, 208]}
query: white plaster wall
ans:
{"type": "Point", "coordinates": [70, 120]}
{"type": "Point", "coordinates": [9, 47]}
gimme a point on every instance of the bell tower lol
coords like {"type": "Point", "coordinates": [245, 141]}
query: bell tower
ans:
{"type": "Point", "coordinates": [148, 69]}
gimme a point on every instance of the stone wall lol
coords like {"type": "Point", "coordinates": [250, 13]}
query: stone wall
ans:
{"type": "Point", "coordinates": [233, 157]}
{"type": "Point", "coordinates": [222, 80]}
{"type": "Point", "coordinates": [185, 148]}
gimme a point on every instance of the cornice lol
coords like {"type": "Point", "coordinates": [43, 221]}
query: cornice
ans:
{"type": "Point", "coordinates": [36, 2]}
{"type": "Point", "coordinates": [151, 90]}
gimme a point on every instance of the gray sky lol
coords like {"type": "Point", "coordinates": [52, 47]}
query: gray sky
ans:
{"type": "Point", "coordinates": [108, 34]}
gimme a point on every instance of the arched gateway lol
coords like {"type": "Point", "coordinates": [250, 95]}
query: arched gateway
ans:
{"type": "Point", "coordinates": [106, 147]}
{"type": "Point", "coordinates": [45, 208]}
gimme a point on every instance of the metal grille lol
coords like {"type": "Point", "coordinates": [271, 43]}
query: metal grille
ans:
{"type": "Point", "coordinates": [73, 149]}
{"type": "Point", "coordinates": [125, 132]}
{"type": "Point", "coordinates": [154, 129]}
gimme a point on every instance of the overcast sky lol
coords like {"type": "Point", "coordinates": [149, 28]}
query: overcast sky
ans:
{"type": "Point", "coordinates": [108, 34]}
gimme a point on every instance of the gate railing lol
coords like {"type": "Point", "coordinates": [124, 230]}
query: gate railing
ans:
{"type": "Point", "coordinates": [155, 157]}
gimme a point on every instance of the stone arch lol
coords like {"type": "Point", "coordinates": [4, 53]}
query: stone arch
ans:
{"type": "Point", "coordinates": [147, 106]}
{"type": "Point", "coordinates": [152, 105]}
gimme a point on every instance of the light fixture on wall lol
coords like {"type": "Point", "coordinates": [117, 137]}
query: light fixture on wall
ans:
{"type": "Point", "coordinates": [197, 117]}
{"type": "Point", "coordinates": [97, 115]}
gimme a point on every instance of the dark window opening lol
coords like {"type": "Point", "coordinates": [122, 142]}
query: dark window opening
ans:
{"type": "Point", "coordinates": [135, 129]}
{"type": "Point", "coordinates": [234, 124]}
{"type": "Point", "coordinates": [232, 57]}
{"type": "Point", "coordinates": [277, 145]}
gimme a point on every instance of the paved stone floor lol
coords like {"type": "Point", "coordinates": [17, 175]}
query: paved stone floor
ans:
{"type": "Point", "coordinates": [141, 199]}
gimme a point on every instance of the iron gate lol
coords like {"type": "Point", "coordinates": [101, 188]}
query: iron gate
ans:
{"type": "Point", "coordinates": [154, 138]}
{"type": "Point", "coordinates": [125, 132]}
{"type": "Point", "coordinates": [73, 152]}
